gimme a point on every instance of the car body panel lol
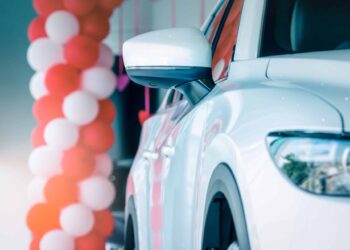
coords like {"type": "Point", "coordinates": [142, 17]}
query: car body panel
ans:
{"type": "Point", "coordinates": [226, 117]}
{"type": "Point", "coordinates": [240, 143]}
{"type": "Point", "coordinates": [323, 73]}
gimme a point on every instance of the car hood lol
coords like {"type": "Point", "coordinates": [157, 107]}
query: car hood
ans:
{"type": "Point", "coordinates": [326, 74]}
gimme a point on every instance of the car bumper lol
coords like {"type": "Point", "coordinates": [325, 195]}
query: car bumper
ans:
{"type": "Point", "coordinates": [281, 216]}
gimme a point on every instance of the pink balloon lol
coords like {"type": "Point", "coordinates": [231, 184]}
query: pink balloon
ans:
{"type": "Point", "coordinates": [106, 58]}
{"type": "Point", "coordinates": [44, 53]}
{"type": "Point", "coordinates": [104, 165]}
{"type": "Point", "coordinates": [97, 193]}
{"type": "Point", "coordinates": [62, 26]}
{"type": "Point", "coordinates": [57, 240]}
{"type": "Point", "coordinates": [99, 81]}
{"type": "Point", "coordinates": [80, 107]}
{"type": "Point", "coordinates": [77, 220]}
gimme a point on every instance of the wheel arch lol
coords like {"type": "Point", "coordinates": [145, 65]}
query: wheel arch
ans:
{"type": "Point", "coordinates": [223, 183]}
{"type": "Point", "coordinates": [220, 153]}
{"type": "Point", "coordinates": [131, 234]}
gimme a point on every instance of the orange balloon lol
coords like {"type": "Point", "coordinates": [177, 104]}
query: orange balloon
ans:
{"type": "Point", "coordinates": [90, 242]}
{"type": "Point", "coordinates": [80, 7]}
{"type": "Point", "coordinates": [43, 218]}
{"type": "Point", "coordinates": [97, 136]}
{"type": "Point", "coordinates": [110, 4]}
{"type": "Point", "coordinates": [78, 163]}
{"type": "Point", "coordinates": [104, 223]}
{"type": "Point", "coordinates": [96, 25]}
{"type": "Point", "coordinates": [61, 191]}
{"type": "Point", "coordinates": [37, 29]}
{"type": "Point", "coordinates": [81, 52]}
{"type": "Point", "coordinates": [35, 244]}
{"type": "Point", "coordinates": [46, 7]}
{"type": "Point", "coordinates": [107, 111]}
{"type": "Point", "coordinates": [48, 108]}
{"type": "Point", "coordinates": [38, 136]}
{"type": "Point", "coordinates": [62, 79]}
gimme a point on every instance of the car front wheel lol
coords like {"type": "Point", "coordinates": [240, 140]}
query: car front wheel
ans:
{"type": "Point", "coordinates": [225, 225]}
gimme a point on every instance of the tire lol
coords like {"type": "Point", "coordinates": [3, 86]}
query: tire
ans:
{"type": "Point", "coordinates": [224, 221]}
{"type": "Point", "coordinates": [131, 229]}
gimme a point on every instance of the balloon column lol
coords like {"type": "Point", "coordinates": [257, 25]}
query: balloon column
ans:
{"type": "Point", "coordinates": [71, 192]}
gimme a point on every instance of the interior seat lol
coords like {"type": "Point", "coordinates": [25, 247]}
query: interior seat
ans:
{"type": "Point", "coordinates": [318, 25]}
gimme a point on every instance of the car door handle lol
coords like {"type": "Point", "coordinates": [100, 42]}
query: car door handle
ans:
{"type": "Point", "coordinates": [167, 151]}
{"type": "Point", "coordinates": [149, 155]}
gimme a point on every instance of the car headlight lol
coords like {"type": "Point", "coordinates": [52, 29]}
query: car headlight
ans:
{"type": "Point", "coordinates": [317, 163]}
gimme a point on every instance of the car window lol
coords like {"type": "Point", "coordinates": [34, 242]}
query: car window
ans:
{"type": "Point", "coordinates": [224, 50]}
{"type": "Point", "coordinates": [299, 26]}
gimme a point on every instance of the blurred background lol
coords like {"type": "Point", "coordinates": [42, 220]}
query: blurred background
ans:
{"type": "Point", "coordinates": [134, 17]}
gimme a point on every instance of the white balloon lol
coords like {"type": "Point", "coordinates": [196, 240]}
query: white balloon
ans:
{"type": "Point", "coordinates": [61, 26]}
{"type": "Point", "coordinates": [104, 165]}
{"type": "Point", "coordinates": [36, 191]}
{"type": "Point", "coordinates": [37, 85]}
{"type": "Point", "coordinates": [80, 107]}
{"type": "Point", "coordinates": [106, 56]}
{"type": "Point", "coordinates": [57, 240]}
{"type": "Point", "coordinates": [99, 81]}
{"type": "Point", "coordinates": [45, 161]}
{"type": "Point", "coordinates": [44, 53]}
{"type": "Point", "coordinates": [97, 193]}
{"type": "Point", "coordinates": [77, 220]}
{"type": "Point", "coordinates": [61, 134]}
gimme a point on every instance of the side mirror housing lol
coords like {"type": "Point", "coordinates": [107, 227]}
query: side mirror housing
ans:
{"type": "Point", "coordinates": [174, 58]}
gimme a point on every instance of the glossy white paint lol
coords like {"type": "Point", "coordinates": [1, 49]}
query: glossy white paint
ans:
{"type": "Point", "coordinates": [185, 47]}
{"type": "Point", "coordinates": [230, 126]}
{"type": "Point", "coordinates": [324, 73]}
{"type": "Point", "coordinates": [250, 30]}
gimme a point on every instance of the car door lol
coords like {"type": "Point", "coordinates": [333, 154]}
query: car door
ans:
{"type": "Point", "coordinates": [178, 115]}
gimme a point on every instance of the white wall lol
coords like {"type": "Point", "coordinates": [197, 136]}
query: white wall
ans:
{"type": "Point", "coordinates": [156, 14]}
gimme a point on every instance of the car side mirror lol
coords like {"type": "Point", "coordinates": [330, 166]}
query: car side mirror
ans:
{"type": "Point", "coordinates": [177, 58]}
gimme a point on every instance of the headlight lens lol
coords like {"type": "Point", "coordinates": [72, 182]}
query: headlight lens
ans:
{"type": "Point", "coordinates": [316, 163]}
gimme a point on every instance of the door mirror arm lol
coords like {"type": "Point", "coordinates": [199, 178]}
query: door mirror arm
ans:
{"type": "Point", "coordinates": [195, 91]}
{"type": "Point", "coordinates": [179, 58]}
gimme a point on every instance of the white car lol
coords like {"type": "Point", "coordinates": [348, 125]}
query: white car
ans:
{"type": "Point", "coordinates": [251, 146]}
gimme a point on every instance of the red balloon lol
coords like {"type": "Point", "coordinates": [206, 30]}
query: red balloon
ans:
{"type": "Point", "coordinates": [43, 218]}
{"type": "Point", "coordinates": [37, 29]}
{"type": "Point", "coordinates": [61, 191]}
{"type": "Point", "coordinates": [38, 136]}
{"type": "Point", "coordinates": [107, 111]}
{"type": "Point", "coordinates": [78, 163]}
{"type": "Point", "coordinates": [110, 4]}
{"type": "Point", "coordinates": [46, 7]}
{"type": "Point", "coordinates": [143, 116]}
{"type": "Point", "coordinates": [97, 136]}
{"type": "Point", "coordinates": [82, 52]}
{"type": "Point", "coordinates": [80, 7]}
{"type": "Point", "coordinates": [35, 244]}
{"type": "Point", "coordinates": [104, 223]}
{"type": "Point", "coordinates": [62, 79]}
{"type": "Point", "coordinates": [107, 13]}
{"type": "Point", "coordinates": [95, 25]}
{"type": "Point", "coordinates": [48, 108]}
{"type": "Point", "coordinates": [90, 242]}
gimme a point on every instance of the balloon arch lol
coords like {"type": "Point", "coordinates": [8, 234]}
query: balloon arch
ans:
{"type": "Point", "coordinates": [71, 192]}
